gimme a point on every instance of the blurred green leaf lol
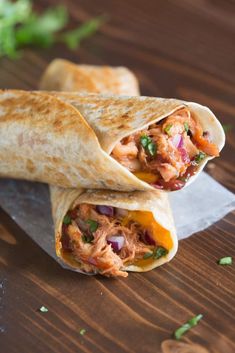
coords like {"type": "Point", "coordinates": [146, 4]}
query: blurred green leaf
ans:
{"type": "Point", "coordinates": [20, 26]}
{"type": "Point", "coordinates": [40, 29]}
{"type": "Point", "coordinates": [73, 38]}
{"type": "Point", "coordinates": [14, 13]}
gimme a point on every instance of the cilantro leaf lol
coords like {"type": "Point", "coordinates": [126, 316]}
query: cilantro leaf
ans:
{"type": "Point", "coordinates": [67, 219]}
{"type": "Point", "coordinates": [225, 260]}
{"type": "Point", "coordinates": [40, 29]}
{"type": "Point", "coordinates": [21, 26]}
{"type": "Point", "coordinates": [187, 326]}
{"type": "Point", "coordinates": [186, 127]}
{"type": "Point", "coordinates": [145, 140]}
{"type": "Point", "coordinates": [152, 149]}
{"type": "Point", "coordinates": [159, 252]}
{"type": "Point", "coordinates": [43, 309]}
{"type": "Point", "coordinates": [167, 129]}
{"type": "Point", "coordinates": [199, 157]}
{"type": "Point", "coordinates": [82, 331]}
{"type": "Point", "coordinates": [93, 225]}
{"type": "Point", "coordinates": [73, 38]}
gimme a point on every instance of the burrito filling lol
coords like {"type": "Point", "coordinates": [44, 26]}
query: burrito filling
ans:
{"type": "Point", "coordinates": [167, 153]}
{"type": "Point", "coordinates": [105, 239]}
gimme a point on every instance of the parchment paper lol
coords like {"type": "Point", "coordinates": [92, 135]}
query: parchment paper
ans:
{"type": "Point", "coordinates": [195, 208]}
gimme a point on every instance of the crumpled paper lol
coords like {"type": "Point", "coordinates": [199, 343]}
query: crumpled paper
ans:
{"type": "Point", "coordinates": [194, 208]}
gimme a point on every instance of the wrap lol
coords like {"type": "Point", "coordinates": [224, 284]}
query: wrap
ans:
{"type": "Point", "coordinates": [49, 139]}
{"type": "Point", "coordinates": [63, 75]}
{"type": "Point", "coordinates": [133, 231]}
{"type": "Point", "coordinates": [64, 201]}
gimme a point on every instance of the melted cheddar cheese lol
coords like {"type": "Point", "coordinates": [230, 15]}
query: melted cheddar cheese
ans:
{"type": "Point", "coordinates": [159, 234]}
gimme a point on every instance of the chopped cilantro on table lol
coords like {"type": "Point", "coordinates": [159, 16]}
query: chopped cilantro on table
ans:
{"type": "Point", "coordinates": [82, 332]}
{"type": "Point", "coordinates": [187, 326]}
{"type": "Point", "coordinates": [43, 309]}
{"type": "Point", "coordinates": [21, 26]}
{"type": "Point", "coordinates": [225, 261]}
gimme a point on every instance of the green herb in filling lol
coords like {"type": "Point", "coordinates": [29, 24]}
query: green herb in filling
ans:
{"type": "Point", "coordinates": [152, 148]}
{"type": "Point", "coordinates": [228, 260]}
{"type": "Point", "coordinates": [159, 252]}
{"type": "Point", "coordinates": [67, 220]}
{"type": "Point", "coordinates": [156, 253]}
{"type": "Point", "coordinates": [145, 140]}
{"type": "Point", "coordinates": [87, 238]}
{"type": "Point", "coordinates": [199, 157]}
{"type": "Point", "coordinates": [93, 225]}
{"type": "Point", "coordinates": [186, 126]}
{"type": "Point", "coordinates": [187, 326]}
{"type": "Point", "coordinates": [168, 128]}
{"type": "Point", "coordinates": [148, 145]}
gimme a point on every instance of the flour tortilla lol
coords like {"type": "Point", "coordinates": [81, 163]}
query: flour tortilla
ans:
{"type": "Point", "coordinates": [153, 201]}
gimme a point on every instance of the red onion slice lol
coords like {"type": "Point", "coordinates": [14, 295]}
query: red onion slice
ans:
{"type": "Point", "coordinates": [184, 155]}
{"type": "Point", "coordinates": [116, 241]}
{"type": "Point", "coordinates": [105, 210]}
{"type": "Point", "coordinates": [177, 140]}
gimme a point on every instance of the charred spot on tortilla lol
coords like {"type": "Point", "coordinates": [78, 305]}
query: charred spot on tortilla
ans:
{"type": "Point", "coordinates": [167, 153]}
{"type": "Point", "coordinates": [106, 239]}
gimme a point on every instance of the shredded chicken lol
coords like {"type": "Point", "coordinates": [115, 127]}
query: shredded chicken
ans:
{"type": "Point", "coordinates": [171, 160]}
{"type": "Point", "coordinates": [97, 255]}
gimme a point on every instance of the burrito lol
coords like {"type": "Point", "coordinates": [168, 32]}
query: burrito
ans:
{"type": "Point", "coordinates": [63, 75]}
{"type": "Point", "coordinates": [163, 151]}
{"type": "Point", "coordinates": [114, 142]}
{"type": "Point", "coordinates": [105, 232]}
{"type": "Point", "coordinates": [164, 143]}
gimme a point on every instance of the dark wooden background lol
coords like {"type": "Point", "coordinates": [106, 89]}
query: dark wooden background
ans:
{"type": "Point", "coordinates": [181, 49]}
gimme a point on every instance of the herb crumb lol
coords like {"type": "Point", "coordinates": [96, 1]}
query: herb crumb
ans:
{"type": "Point", "coordinates": [43, 309]}
{"type": "Point", "coordinates": [82, 332]}
{"type": "Point", "coordinates": [225, 261]}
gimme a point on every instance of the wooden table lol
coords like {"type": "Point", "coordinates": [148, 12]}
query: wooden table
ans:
{"type": "Point", "coordinates": [179, 49]}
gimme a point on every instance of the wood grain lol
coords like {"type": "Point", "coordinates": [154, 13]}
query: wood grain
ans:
{"type": "Point", "coordinates": [181, 49]}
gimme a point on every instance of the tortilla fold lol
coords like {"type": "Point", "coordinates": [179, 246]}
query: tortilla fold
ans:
{"type": "Point", "coordinates": [49, 139]}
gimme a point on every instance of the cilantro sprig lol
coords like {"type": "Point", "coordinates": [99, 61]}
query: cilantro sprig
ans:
{"type": "Point", "coordinates": [21, 26]}
{"type": "Point", "coordinates": [148, 145]}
